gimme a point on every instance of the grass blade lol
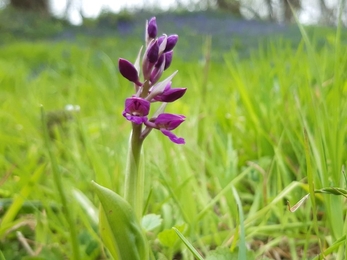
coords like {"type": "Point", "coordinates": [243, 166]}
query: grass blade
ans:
{"type": "Point", "coordinates": [188, 244]}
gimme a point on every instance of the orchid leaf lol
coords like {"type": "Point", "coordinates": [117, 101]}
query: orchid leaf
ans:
{"type": "Point", "coordinates": [119, 228]}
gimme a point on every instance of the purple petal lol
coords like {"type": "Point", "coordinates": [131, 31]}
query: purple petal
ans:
{"type": "Point", "coordinates": [128, 70]}
{"type": "Point", "coordinates": [137, 106]}
{"type": "Point", "coordinates": [169, 121]}
{"type": "Point", "coordinates": [152, 28]}
{"type": "Point", "coordinates": [173, 138]}
{"type": "Point", "coordinates": [135, 119]}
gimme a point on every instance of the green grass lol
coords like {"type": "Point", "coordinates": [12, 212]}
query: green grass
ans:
{"type": "Point", "coordinates": [246, 147]}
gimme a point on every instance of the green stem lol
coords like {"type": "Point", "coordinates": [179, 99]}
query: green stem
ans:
{"type": "Point", "coordinates": [134, 177]}
{"type": "Point", "coordinates": [58, 182]}
{"type": "Point", "coordinates": [145, 88]}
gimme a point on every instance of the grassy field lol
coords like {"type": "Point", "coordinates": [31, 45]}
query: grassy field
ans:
{"type": "Point", "coordinates": [260, 131]}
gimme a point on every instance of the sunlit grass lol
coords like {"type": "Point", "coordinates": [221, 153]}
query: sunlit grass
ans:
{"type": "Point", "coordinates": [245, 127]}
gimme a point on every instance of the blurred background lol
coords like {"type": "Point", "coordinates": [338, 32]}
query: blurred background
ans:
{"type": "Point", "coordinates": [323, 12]}
{"type": "Point", "coordinates": [248, 70]}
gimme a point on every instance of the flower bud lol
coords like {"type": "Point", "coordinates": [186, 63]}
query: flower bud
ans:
{"type": "Point", "coordinates": [128, 71]}
{"type": "Point", "coordinates": [170, 94]}
{"type": "Point", "coordinates": [153, 52]}
{"type": "Point", "coordinates": [152, 28]}
{"type": "Point", "coordinates": [151, 57]}
{"type": "Point", "coordinates": [171, 42]}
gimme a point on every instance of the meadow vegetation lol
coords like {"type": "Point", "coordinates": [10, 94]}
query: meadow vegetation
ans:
{"type": "Point", "coordinates": [261, 129]}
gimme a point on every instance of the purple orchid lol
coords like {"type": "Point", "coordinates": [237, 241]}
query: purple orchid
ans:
{"type": "Point", "coordinates": [136, 110]}
{"type": "Point", "coordinates": [145, 74]}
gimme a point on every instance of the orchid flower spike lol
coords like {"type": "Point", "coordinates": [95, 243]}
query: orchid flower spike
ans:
{"type": "Point", "coordinates": [148, 86]}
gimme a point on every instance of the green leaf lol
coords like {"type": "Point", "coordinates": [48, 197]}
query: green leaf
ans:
{"type": "Point", "coordinates": [119, 228]}
{"type": "Point", "coordinates": [151, 221]}
{"type": "Point", "coordinates": [168, 237]}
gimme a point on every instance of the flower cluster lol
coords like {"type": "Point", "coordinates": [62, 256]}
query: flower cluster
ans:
{"type": "Point", "coordinates": [156, 59]}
